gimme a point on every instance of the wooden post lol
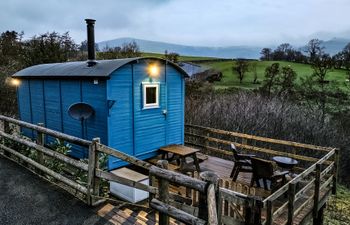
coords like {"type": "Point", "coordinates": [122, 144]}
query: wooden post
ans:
{"type": "Point", "coordinates": [252, 210]}
{"type": "Point", "coordinates": [291, 198]}
{"type": "Point", "coordinates": [8, 131]}
{"type": "Point", "coordinates": [207, 143]}
{"type": "Point", "coordinates": [212, 205]}
{"type": "Point", "coordinates": [91, 172]}
{"type": "Point", "coordinates": [7, 128]}
{"type": "Point", "coordinates": [40, 140]}
{"type": "Point", "coordinates": [269, 212]}
{"type": "Point", "coordinates": [163, 186]}
{"type": "Point", "coordinates": [316, 193]}
{"type": "Point", "coordinates": [96, 180]}
{"type": "Point", "coordinates": [335, 171]}
{"type": "Point", "coordinates": [319, 219]}
{"type": "Point", "coordinates": [211, 178]}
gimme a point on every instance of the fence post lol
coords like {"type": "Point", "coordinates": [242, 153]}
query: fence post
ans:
{"type": "Point", "coordinates": [163, 187]}
{"type": "Point", "coordinates": [269, 212]}
{"type": "Point", "coordinates": [252, 210]}
{"type": "Point", "coordinates": [291, 198]}
{"type": "Point", "coordinates": [335, 171]}
{"type": "Point", "coordinates": [316, 193]}
{"type": "Point", "coordinates": [96, 180]}
{"type": "Point", "coordinates": [211, 178]}
{"type": "Point", "coordinates": [7, 130]}
{"type": "Point", "coordinates": [207, 143]}
{"type": "Point", "coordinates": [91, 171]}
{"type": "Point", "coordinates": [40, 140]}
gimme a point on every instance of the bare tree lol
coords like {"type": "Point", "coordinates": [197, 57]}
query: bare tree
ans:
{"type": "Point", "coordinates": [321, 65]}
{"type": "Point", "coordinates": [314, 48]}
{"type": "Point", "coordinates": [253, 68]}
{"type": "Point", "coordinates": [266, 54]}
{"type": "Point", "coordinates": [241, 67]}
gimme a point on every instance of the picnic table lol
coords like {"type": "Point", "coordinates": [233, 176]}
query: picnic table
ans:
{"type": "Point", "coordinates": [181, 152]}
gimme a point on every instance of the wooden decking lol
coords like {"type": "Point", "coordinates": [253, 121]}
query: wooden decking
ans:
{"type": "Point", "coordinates": [130, 216]}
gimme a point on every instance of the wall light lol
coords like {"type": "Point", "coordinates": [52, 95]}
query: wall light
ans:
{"type": "Point", "coordinates": [153, 70]}
{"type": "Point", "coordinates": [15, 82]}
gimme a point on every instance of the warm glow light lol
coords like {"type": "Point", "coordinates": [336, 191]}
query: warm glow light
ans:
{"type": "Point", "coordinates": [153, 70]}
{"type": "Point", "coordinates": [15, 82]}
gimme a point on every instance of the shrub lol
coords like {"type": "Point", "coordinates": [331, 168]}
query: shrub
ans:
{"type": "Point", "coordinates": [252, 113]}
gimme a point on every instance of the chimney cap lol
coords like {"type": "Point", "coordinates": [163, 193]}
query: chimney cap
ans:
{"type": "Point", "coordinates": [90, 21]}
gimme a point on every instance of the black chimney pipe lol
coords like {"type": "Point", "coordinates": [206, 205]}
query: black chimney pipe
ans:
{"type": "Point", "coordinates": [91, 41]}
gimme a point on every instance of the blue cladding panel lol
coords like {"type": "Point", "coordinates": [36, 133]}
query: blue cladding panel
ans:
{"type": "Point", "coordinates": [59, 96]}
{"type": "Point", "coordinates": [52, 106]}
{"type": "Point", "coordinates": [95, 95]}
{"type": "Point", "coordinates": [74, 91]}
{"type": "Point", "coordinates": [175, 117]}
{"type": "Point", "coordinates": [37, 99]}
{"type": "Point", "coordinates": [149, 124]}
{"type": "Point", "coordinates": [70, 92]}
{"type": "Point", "coordinates": [141, 132]}
{"type": "Point", "coordinates": [120, 122]}
{"type": "Point", "coordinates": [24, 105]}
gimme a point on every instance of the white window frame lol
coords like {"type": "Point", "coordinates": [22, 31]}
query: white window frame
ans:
{"type": "Point", "coordinates": [144, 88]}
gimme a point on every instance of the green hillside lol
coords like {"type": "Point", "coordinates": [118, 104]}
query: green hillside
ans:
{"type": "Point", "coordinates": [230, 77]}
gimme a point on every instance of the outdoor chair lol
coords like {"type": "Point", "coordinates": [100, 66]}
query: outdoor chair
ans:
{"type": "Point", "coordinates": [264, 170]}
{"type": "Point", "coordinates": [242, 163]}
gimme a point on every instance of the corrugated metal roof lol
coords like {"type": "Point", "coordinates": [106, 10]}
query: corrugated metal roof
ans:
{"type": "Point", "coordinates": [103, 68]}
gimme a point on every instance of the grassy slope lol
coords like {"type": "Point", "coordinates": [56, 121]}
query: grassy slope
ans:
{"type": "Point", "coordinates": [230, 78]}
{"type": "Point", "coordinates": [338, 209]}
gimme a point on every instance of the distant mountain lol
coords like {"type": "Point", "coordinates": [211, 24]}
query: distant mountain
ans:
{"type": "Point", "coordinates": [335, 45]}
{"type": "Point", "coordinates": [332, 47]}
{"type": "Point", "coordinates": [160, 47]}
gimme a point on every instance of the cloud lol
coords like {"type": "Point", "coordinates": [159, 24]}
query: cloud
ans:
{"type": "Point", "coordinates": [194, 22]}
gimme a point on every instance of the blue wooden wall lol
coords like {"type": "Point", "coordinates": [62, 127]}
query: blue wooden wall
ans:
{"type": "Point", "coordinates": [48, 101]}
{"type": "Point", "coordinates": [141, 132]}
{"type": "Point", "coordinates": [126, 126]}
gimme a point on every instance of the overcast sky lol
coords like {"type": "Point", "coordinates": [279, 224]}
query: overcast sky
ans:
{"type": "Point", "coordinates": [191, 22]}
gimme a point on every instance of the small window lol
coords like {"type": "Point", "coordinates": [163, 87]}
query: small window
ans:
{"type": "Point", "coordinates": [150, 95]}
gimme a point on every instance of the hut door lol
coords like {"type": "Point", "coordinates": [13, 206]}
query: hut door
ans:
{"type": "Point", "coordinates": [149, 116]}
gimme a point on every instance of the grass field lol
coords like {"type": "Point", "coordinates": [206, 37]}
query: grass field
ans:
{"type": "Point", "coordinates": [230, 77]}
{"type": "Point", "coordinates": [338, 209]}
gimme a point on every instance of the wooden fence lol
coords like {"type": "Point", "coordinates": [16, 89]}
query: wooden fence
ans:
{"type": "Point", "coordinates": [301, 199]}
{"type": "Point", "coordinates": [214, 204]}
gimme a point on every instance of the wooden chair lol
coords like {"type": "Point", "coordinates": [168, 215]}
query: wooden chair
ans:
{"type": "Point", "coordinates": [265, 170]}
{"type": "Point", "coordinates": [242, 163]}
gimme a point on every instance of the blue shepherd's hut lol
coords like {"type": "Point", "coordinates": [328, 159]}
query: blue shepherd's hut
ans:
{"type": "Point", "coordinates": [135, 105]}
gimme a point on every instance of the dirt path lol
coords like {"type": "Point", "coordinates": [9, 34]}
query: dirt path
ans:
{"type": "Point", "coordinates": [27, 199]}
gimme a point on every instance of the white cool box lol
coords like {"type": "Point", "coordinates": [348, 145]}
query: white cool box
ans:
{"type": "Point", "coordinates": [129, 193]}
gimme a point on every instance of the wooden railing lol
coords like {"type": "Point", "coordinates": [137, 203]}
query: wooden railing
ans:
{"type": "Point", "coordinates": [311, 188]}
{"type": "Point", "coordinates": [89, 192]}
{"type": "Point", "coordinates": [215, 204]}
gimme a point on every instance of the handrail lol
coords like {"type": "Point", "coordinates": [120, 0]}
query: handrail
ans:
{"type": "Point", "coordinates": [123, 156]}
{"type": "Point", "coordinates": [264, 139]}
{"type": "Point", "coordinates": [179, 178]}
{"type": "Point", "coordinates": [300, 176]}
{"type": "Point", "coordinates": [69, 138]}
{"type": "Point", "coordinates": [257, 149]}
{"type": "Point", "coordinates": [46, 151]}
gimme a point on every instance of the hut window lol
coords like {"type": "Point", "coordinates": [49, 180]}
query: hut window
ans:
{"type": "Point", "coordinates": [150, 95]}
